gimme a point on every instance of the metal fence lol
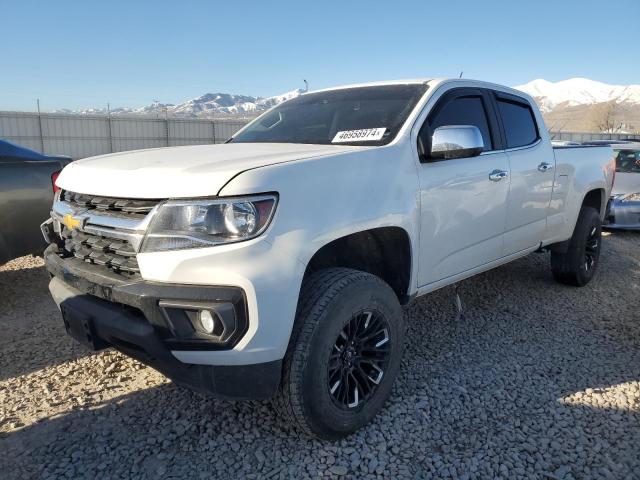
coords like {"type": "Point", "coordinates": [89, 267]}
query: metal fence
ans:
{"type": "Point", "coordinates": [587, 136]}
{"type": "Point", "coordinates": [80, 136]}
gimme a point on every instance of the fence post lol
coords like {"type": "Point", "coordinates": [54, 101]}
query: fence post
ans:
{"type": "Point", "coordinates": [40, 127]}
{"type": "Point", "coordinates": [213, 123]}
{"type": "Point", "coordinates": [166, 124]}
{"type": "Point", "coordinates": [109, 128]}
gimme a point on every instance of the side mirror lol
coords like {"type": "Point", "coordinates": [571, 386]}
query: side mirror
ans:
{"type": "Point", "coordinates": [456, 141]}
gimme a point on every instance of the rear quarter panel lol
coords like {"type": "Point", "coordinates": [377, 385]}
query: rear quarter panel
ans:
{"type": "Point", "coordinates": [579, 170]}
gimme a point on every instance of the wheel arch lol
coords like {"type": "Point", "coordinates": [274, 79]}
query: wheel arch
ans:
{"type": "Point", "coordinates": [596, 198]}
{"type": "Point", "coordinates": [382, 251]}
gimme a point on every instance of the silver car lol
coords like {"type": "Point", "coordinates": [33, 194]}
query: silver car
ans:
{"type": "Point", "coordinates": [625, 198]}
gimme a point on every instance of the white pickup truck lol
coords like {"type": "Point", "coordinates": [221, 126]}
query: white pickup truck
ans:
{"type": "Point", "coordinates": [276, 265]}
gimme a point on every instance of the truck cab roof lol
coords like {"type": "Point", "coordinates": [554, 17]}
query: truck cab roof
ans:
{"type": "Point", "coordinates": [432, 82]}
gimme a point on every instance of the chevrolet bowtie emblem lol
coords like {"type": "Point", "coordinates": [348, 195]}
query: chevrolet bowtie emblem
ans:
{"type": "Point", "coordinates": [71, 222]}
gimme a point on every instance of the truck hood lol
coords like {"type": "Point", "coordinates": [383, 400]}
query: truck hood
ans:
{"type": "Point", "coordinates": [195, 171]}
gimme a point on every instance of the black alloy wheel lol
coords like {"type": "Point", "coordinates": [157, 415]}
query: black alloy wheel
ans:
{"type": "Point", "coordinates": [359, 359]}
{"type": "Point", "coordinates": [578, 263]}
{"type": "Point", "coordinates": [592, 249]}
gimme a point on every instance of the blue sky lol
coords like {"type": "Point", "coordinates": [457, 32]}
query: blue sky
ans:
{"type": "Point", "coordinates": [129, 53]}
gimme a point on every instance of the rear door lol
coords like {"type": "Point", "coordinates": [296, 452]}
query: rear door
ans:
{"type": "Point", "coordinates": [532, 164]}
{"type": "Point", "coordinates": [462, 209]}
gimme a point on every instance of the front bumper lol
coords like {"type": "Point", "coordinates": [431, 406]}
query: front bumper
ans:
{"type": "Point", "coordinates": [623, 215]}
{"type": "Point", "coordinates": [128, 316]}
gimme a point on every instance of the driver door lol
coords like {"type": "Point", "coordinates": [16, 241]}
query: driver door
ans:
{"type": "Point", "coordinates": [463, 210]}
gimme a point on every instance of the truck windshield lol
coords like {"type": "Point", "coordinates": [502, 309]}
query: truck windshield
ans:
{"type": "Point", "coordinates": [351, 116]}
{"type": "Point", "coordinates": [628, 161]}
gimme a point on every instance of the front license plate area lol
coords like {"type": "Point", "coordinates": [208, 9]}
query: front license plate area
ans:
{"type": "Point", "coordinates": [80, 327]}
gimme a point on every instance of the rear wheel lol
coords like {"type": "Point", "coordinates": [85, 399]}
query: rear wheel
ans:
{"type": "Point", "coordinates": [578, 264]}
{"type": "Point", "coordinates": [344, 354]}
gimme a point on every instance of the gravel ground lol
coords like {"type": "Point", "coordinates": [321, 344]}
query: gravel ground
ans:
{"type": "Point", "coordinates": [536, 380]}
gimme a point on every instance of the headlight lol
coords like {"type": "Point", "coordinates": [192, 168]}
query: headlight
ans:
{"type": "Point", "coordinates": [181, 224]}
{"type": "Point", "coordinates": [632, 197]}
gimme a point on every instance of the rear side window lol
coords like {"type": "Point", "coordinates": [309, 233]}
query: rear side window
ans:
{"type": "Point", "coordinates": [519, 123]}
{"type": "Point", "coordinates": [466, 110]}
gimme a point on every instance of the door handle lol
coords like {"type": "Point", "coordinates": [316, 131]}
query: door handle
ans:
{"type": "Point", "coordinates": [544, 166]}
{"type": "Point", "coordinates": [498, 175]}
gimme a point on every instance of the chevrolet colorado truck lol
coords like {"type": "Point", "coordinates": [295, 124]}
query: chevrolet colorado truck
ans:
{"type": "Point", "coordinates": [275, 265]}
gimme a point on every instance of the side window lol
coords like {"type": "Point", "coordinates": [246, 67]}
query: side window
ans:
{"type": "Point", "coordinates": [464, 110]}
{"type": "Point", "coordinates": [519, 123]}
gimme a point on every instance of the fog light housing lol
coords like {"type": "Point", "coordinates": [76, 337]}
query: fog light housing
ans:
{"type": "Point", "coordinates": [206, 321]}
{"type": "Point", "coordinates": [208, 324]}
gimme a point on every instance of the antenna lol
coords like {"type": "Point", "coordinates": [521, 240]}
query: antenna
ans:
{"type": "Point", "coordinates": [461, 72]}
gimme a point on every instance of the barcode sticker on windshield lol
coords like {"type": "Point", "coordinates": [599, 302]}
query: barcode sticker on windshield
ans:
{"type": "Point", "coordinates": [364, 135]}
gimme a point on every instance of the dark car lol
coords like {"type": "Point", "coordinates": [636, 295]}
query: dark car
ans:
{"type": "Point", "coordinates": [27, 186]}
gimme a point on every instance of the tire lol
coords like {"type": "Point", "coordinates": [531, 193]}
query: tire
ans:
{"type": "Point", "coordinates": [579, 263]}
{"type": "Point", "coordinates": [320, 355]}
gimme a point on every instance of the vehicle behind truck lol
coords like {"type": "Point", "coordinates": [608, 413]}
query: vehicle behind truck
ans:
{"type": "Point", "coordinates": [275, 265]}
{"type": "Point", "coordinates": [27, 185]}
{"type": "Point", "coordinates": [624, 211]}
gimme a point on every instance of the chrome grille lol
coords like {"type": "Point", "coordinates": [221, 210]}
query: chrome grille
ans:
{"type": "Point", "coordinates": [131, 207]}
{"type": "Point", "coordinates": [117, 255]}
{"type": "Point", "coordinates": [111, 232]}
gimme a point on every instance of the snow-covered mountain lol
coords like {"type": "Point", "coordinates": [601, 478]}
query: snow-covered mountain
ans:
{"type": "Point", "coordinates": [207, 105]}
{"type": "Point", "coordinates": [579, 102]}
{"type": "Point", "coordinates": [578, 91]}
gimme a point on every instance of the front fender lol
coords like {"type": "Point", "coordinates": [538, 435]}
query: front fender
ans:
{"type": "Point", "coordinates": [327, 198]}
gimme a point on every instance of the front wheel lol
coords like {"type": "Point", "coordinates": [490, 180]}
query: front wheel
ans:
{"type": "Point", "coordinates": [578, 264]}
{"type": "Point", "coordinates": [344, 354]}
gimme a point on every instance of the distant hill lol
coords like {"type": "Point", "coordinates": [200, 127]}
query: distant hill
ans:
{"type": "Point", "coordinates": [583, 105]}
{"type": "Point", "coordinates": [204, 106]}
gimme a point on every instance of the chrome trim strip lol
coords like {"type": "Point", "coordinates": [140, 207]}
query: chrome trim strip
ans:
{"type": "Point", "coordinates": [62, 208]}
{"type": "Point", "coordinates": [514, 149]}
{"type": "Point", "coordinates": [135, 239]}
{"type": "Point", "coordinates": [111, 221]}
{"type": "Point", "coordinates": [490, 152]}
{"type": "Point", "coordinates": [524, 147]}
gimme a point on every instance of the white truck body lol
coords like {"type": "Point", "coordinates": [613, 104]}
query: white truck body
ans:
{"type": "Point", "coordinates": [457, 221]}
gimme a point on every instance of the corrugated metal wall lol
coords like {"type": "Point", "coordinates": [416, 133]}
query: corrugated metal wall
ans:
{"type": "Point", "coordinates": [80, 136]}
